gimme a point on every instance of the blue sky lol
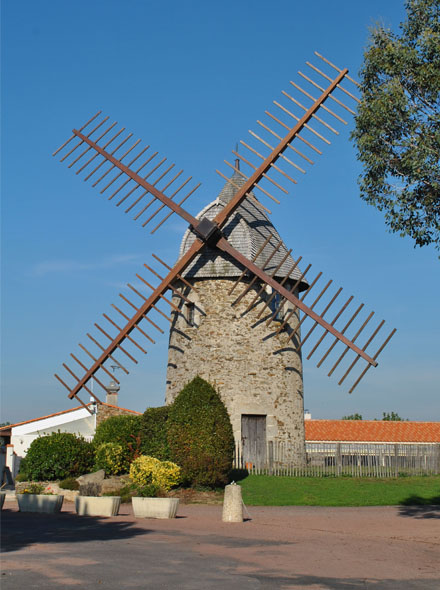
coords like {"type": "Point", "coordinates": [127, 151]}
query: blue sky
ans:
{"type": "Point", "coordinates": [189, 78]}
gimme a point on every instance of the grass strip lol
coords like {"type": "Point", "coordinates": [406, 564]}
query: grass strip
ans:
{"type": "Point", "coordinates": [265, 490]}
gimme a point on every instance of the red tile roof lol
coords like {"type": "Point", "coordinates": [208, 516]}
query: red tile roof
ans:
{"type": "Point", "coordinates": [372, 431]}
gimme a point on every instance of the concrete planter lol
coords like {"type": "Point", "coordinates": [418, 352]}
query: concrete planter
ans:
{"type": "Point", "coordinates": [155, 507]}
{"type": "Point", "coordinates": [97, 505]}
{"type": "Point", "coordinates": [39, 503]}
{"type": "Point", "coordinates": [2, 499]}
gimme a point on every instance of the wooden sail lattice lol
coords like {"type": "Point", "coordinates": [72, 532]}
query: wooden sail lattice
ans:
{"type": "Point", "coordinates": [146, 186]}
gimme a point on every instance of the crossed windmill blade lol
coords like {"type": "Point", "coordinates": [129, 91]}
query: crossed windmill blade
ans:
{"type": "Point", "coordinates": [142, 183]}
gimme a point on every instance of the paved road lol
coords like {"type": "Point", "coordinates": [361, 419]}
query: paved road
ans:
{"type": "Point", "coordinates": [288, 548]}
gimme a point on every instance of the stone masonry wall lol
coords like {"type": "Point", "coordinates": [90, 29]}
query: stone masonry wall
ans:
{"type": "Point", "coordinates": [106, 411]}
{"type": "Point", "coordinates": [254, 370]}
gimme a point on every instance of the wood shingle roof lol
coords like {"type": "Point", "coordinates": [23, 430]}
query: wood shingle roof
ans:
{"type": "Point", "coordinates": [246, 231]}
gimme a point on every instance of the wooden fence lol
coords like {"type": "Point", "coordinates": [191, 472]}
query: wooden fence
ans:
{"type": "Point", "coordinates": [339, 459]}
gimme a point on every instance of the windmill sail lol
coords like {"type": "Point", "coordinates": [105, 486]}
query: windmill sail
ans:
{"type": "Point", "coordinates": [146, 185]}
{"type": "Point", "coordinates": [270, 152]}
{"type": "Point", "coordinates": [308, 310]}
{"type": "Point", "coordinates": [129, 330]}
{"type": "Point", "coordinates": [137, 180]}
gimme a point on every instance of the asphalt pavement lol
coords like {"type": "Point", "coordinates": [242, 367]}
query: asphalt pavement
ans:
{"type": "Point", "coordinates": [314, 548]}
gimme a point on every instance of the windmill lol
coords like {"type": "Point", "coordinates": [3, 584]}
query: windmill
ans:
{"type": "Point", "coordinates": [266, 286]}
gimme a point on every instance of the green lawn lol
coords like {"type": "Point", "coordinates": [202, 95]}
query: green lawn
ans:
{"type": "Point", "coordinates": [265, 490]}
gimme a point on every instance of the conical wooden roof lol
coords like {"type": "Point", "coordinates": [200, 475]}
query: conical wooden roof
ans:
{"type": "Point", "coordinates": [246, 231]}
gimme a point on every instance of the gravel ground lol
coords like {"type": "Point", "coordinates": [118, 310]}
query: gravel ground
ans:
{"type": "Point", "coordinates": [386, 548]}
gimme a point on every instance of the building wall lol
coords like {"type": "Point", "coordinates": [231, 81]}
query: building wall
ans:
{"type": "Point", "coordinates": [79, 422]}
{"type": "Point", "coordinates": [107, 411]}
{"type": "Point", "coordinates": [22, 436]}
{"type": "Point", "coordinates": [254, 370]}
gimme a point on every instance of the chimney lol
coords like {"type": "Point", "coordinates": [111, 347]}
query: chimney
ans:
{"type": "Point", "coordinates": [112, 393]}
{"type": "Point", "coordinates": [307, 415]}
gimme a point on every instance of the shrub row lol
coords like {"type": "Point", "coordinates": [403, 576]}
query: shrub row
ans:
{"type": "Point", "coordinates": [194, 432]}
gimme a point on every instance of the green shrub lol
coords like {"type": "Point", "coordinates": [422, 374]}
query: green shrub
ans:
{"type": "Point", "coordinates": [69, 483]}
{"type": "Point", "coordinates": [112, 457]}
{"type": "Point", "coordinates": [119, 429]}
{"type": "Point", "coordinates": [125, 497]}
{"type": "Point", "coordinates": [21, 477]}
{"type": "Point", "coordinates": [126, 493]}
{"type": "Point", "coordinates": [57, 456]}
{"type": "Point", "coordinates": [154, 441]}
{"type": "Point", "coordinates": [200, 435]}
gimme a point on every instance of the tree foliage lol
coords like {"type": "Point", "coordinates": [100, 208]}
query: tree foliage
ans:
{"type": "Point", "coordinates": [391, 417]}
{"type": "Point", "coordinates": [397, 130]}
{"type": "Point", "coordinates": [154, 441]}
{"type": "Point", "coordinates": [118, 429]}
{"type": "Point", "coordinates": [355, 416]}
{"type": "Point", "coordinates": [200, 435]}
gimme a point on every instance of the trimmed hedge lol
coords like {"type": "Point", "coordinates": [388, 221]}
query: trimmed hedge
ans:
{"type": "Point", "coordinates": [200, 435]}
{"type": "Point", "coordinates": [154, 441]}
{"type": "Point", "coordinates": [57, 456]}
{"type": "Point", "coordinates": [121, 430]}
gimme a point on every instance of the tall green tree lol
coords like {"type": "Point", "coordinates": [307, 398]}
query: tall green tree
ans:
{"type": "Point", "coordinates": [200, 436]}
{"type": "Point", "coordinates": [397, 130]}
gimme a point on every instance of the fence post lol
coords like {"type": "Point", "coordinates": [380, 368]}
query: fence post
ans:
{"type": "Point", "coordinates": [270, 456]}
{"type": "Point", "coordinates": [396, 460]}
{"type": "Point", "coordinates": [338, 459]}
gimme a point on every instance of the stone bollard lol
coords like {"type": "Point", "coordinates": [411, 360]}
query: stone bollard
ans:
{"type": "Point", "coordinates": [232, 504]}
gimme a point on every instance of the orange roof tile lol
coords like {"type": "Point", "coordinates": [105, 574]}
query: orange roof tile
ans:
{"type": "Point", "coordinates": [372, 431]}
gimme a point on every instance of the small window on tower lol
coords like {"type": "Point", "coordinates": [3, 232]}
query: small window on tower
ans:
{"type": "Point", "coordinates": [275, 308]}
{"type": "Point", "coordinates": [189, 308]}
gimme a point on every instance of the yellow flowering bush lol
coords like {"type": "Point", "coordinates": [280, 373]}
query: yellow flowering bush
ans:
{"type": "Point", "coordinates": [149, 471]}
{"type": "Point", "coordinates": [112, 458]}
{"type": "Point", "coordinates": [166, 475]}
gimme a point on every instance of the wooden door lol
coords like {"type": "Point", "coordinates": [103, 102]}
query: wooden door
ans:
{"type": "Point", "coordinates": [253, 439]}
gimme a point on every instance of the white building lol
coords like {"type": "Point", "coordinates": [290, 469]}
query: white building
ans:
{"type": "Point", "coordinates": [79, 421]}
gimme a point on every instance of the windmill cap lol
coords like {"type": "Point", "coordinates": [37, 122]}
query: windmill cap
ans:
{"type": "Point", "coordinates": [246, 230]}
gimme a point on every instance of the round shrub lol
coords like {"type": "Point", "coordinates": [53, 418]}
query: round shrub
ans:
{"type": "Point", "coordinates": [148, 471]}
{"type": "Point", "coordinates": [154, 441]}
{"type": "Point", "coordinates": [112, 457]}
{"type": "Point", "coordinates": [166, 475]}
{"type": "Point", "coordinates": [200, 435]}
{"type": "Point", "coordinates": [141, 470]}
{"type": "Point", "coordinates": [57, 456]}
{"type": "Point", "coordinates": [69, 483]}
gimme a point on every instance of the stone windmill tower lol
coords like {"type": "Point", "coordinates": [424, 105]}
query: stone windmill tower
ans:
{"type": "Point", "coordinates": [255, 368]}
{"type": "Point", "coordinates": [236, 304]}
